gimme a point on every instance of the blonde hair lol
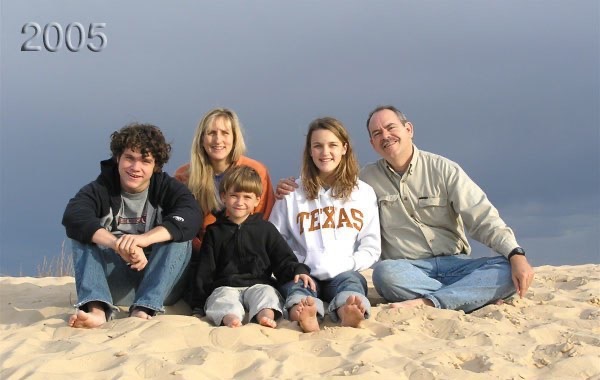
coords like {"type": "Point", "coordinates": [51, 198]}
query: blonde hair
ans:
{"type": "Point", "coordinates": [241, 179]}
{"type": "Point", "coordinates": [201, 180]}
{"type": "Point", "coordinates": [346, 173]}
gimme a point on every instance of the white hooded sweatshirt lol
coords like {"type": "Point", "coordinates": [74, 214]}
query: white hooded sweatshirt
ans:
{"type": "Point", "coordinates": [330, 235]}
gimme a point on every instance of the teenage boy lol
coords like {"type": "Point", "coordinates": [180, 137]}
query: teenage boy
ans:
{"type": "Point", "coordinates": [130, 231]}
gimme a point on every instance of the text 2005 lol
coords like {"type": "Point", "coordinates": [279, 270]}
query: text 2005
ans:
{"type": "Point", "coordinates": [74, 36]}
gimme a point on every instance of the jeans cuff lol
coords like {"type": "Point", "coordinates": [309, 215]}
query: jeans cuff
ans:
{"type": "Point", "coordinates": [147, 306]}
{"type": "Point", "coordinates": [295, 299]}
{"type": "Point", "coordinates": [340, 300]}
{"type": "Point", "coordinates": [110, 310]}
{"type": "Point", "coordinates": [434, 300]}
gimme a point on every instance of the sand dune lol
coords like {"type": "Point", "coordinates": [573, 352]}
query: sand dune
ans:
{"type": "Point", "coordinates": [554, 333]}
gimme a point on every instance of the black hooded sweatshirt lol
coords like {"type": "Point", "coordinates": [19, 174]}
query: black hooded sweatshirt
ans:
{"type": "Point", "coordinates": [96, 204]}
{"type": "Point", "coordinates": [242, 255]}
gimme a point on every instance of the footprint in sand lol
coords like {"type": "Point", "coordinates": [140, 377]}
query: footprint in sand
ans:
{"type": "Point", "coordinates": [225, 337]}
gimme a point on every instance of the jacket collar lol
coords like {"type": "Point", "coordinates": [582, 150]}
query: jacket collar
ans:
{"type": "Point", "coordinates": [223, 219]}
{"type": "Point", "coordinates": [413, 162]}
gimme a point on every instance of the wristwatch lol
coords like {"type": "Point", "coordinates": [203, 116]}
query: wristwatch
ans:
{"type": "Point", "coordinates": [517, 251]}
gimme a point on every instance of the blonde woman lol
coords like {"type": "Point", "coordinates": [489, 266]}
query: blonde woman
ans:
{"type": "Point", "coordinates": [218, 145]}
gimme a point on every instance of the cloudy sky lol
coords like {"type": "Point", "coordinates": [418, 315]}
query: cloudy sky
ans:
{"type": "Point", "coordinates": [508, 89]}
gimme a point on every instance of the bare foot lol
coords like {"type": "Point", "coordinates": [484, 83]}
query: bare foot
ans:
{"type": "Point", "coordinates": [231, 320]}
{"type": "Point", "coordinates": [411, 303]}
{"type": "Point", "coordinates": [140, 313]}
{"type": "Point", "coordinates": [266, 317]}
{"type": "Point", "coordinates": [352, 313]}
{"type": "Point", "coordinates": [95, 317]}
{"type": "Point", "coordinates": [305, 312]}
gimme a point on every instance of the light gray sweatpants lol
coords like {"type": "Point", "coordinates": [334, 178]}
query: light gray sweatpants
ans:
{"type": "Point", "coordinates": [232, 300]}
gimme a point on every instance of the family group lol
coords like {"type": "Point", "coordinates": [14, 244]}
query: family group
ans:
{"type": "Point", "coordinates": [218, 234]}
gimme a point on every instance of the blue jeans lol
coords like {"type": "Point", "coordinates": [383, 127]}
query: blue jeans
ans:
{"type": "Point", "coordinates": [335, 291]}
{"type": "Point", "coordinates": [101, 275]}
{"type": "Point", "coordinates": [450, 282]}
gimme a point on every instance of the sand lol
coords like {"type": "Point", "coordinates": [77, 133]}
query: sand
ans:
{"type": "Point", "coordinates": [553, 333]}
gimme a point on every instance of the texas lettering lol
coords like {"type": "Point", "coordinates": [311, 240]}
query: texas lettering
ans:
{"type": "Point", "coordinates": [351, 218]}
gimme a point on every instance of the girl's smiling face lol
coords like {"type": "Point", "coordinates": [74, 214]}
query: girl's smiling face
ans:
{"type": "Point", "coordinates": [326, 151]}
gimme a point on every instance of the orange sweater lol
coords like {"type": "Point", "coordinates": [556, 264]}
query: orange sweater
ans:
{"type": "Point", "coordinates": [266, 201]}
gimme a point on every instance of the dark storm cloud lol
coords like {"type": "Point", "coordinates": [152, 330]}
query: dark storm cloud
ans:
{"type": "Point", "coordinates": [510, 90]}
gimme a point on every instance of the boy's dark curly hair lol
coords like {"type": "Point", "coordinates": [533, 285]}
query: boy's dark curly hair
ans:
{"type": "Point", "coordinates": [145, 138]}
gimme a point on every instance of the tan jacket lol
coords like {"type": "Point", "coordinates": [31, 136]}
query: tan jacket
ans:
{"type": "Point", "coordinates": [425, 212]}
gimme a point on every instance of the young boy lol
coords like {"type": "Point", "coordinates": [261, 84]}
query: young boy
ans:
{"type": "Point", "coordinates": [240, 252]}
{"type": "Point", "coordinates": [130, 231]}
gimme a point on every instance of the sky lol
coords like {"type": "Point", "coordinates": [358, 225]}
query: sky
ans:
{"type": "Point", "coordinates": [510, 90]}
